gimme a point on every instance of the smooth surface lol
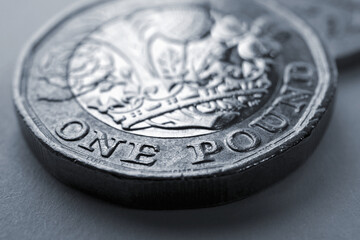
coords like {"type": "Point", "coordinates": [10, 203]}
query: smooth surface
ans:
{"type": "Point", "coordinates": [321, 200]}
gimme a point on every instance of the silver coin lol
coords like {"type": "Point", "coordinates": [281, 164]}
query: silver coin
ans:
{"type": "Point", "coordinates": [338, 23]}
{"type": "Point", "coordinates": [174, 104]}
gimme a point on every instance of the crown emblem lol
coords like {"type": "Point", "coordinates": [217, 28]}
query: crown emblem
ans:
{"type": "Point", "coordinates": [184, 66]}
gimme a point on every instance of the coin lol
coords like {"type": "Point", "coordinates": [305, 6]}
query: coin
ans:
{"type": "Point", "coordinates": [338, 23]}
{"type": "Point", "coordinates": [174, 104]}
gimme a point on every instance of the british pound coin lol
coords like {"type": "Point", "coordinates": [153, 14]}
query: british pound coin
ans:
{"type": "Point", "coordinates": [174, 104]}
{"type": "Point", "coordinates": [337, 22]}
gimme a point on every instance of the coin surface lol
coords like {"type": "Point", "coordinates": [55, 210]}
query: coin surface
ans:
{"type": "Point", "coordinates": [174, 104]}
{"type": "Point", "coordinates": [338, 23]}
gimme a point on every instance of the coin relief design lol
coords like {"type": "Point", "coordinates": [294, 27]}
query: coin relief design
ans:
{"type": "Point", "coordinates": [180, 67]}
{"type": "Point", "coordinates": [174, 104]}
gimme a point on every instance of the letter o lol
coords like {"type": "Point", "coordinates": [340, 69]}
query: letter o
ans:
{"type": "Point", "coordinates": [74, 136]}
{"type": "Point", "coordinates": [236, 139]}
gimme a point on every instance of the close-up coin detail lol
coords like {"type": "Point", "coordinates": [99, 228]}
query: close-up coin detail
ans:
{"type": "Point", "coordinates": [175, 104]}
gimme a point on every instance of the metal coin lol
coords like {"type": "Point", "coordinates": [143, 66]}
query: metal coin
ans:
{"type": "Point", "coordinates": [174, 104]}
{"type": "Point", "coordinates": [338, 23]}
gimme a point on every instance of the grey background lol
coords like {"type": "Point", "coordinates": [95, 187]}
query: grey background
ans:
{"type": "Point", "coordinates": [321, 200]}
